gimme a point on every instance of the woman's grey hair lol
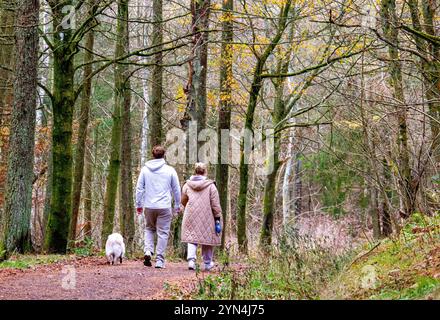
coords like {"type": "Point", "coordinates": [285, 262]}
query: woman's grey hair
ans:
{"type": "Point", "coordinates": [200, 168]}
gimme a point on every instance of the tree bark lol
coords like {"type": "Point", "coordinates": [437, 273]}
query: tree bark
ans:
{"type": "Point", "coordinates": [387, 226]}
{"type": "Point", "coordinates": [429, 67]}
{"type": "Point", "coordinates": [432, 76]}
{"type": "Point", "coordinates": [126, 201]}
{"type": "Point", "coordinates": [7, 17]}
{"type": "Point", "coordinates": [63, 104]}
{"type": "Point", "coordinates": [250, 111]}
{"type": "Point", "coordinates": [82, 136]}
{"type": "Point", "coordinates": [18, 206]}
{"type": "Point", "coordinates": [389, 22]}
{"type": "Point", "coordinates": [88, 181]}
{"type": "Point", "coordinates": [155, 121]}
{"type": "Point", "coordinates": [270, 187]}
{"type": "Point", "coordinates": [287, 179]}
{"type": "Point", "coordinates": [224, 119]}
{"type": "Point", "coordinates": [121, 88]}
{"type": "Point", "coordinates": [196, 87]}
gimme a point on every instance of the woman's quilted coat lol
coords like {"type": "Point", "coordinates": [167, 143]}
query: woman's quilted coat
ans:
{"type": "Point", "coordinates": [202, 205]}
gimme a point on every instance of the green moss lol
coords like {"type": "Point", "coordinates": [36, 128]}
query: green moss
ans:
{"type": "Point", "coordinates": [396, 269]}
{"type": "Point", "coordinates": [28, 261]}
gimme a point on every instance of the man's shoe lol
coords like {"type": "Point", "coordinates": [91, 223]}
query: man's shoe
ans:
{"type": "Point", "coordinates": [160, 264]}
{"type": "Point", "coordinates": [147, 260]}
{"type": "Point", "coordinates": [208, 267]}
{"type": "Point", "coordinates": [191, 265]}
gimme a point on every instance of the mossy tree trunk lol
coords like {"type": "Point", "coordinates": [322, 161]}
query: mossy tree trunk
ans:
{"type": "Point", "coordinates": [195, 90]}
{"type": "Point", "coordinates": [7, 17]}
{"type": "Point", "coordinates": [249, 120]}
{"type": "Point", "coordinates": [387, 226]}
{"type": "Point", "coordinates": [126, 186]}
{"type": "Point", "coordinates": [63, 102]}
{"type": "Point", "coordinates": [84, 117]}
{"type": "Point", "coordinates": [224, 119]}
{"type": "Point", "coordinates": [88, 181]}
{"type": "Point", "coordinates": [407, 188]}
{"type": "Point", "coordinates": [121, 88]}
{"type": "Point", "coordinates": [432, 76]}
{"type": "Point", "coordinates": [15, 235]}
{"type": "Point", "coordinates": [155, 114]}
{"type": "Point", "coordinates": [270, 187]}
{"type": "Point", "coordinates": [430, 69]}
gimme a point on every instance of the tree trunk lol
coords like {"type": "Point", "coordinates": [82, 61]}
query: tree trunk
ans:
{"type": "Point", "coordinates": [63, 105]}
{"type": "Point", "coordinates": [88, 177]}
{"type": "Point", "coordinates": [18, 206]}
{"type": "Point", "coordinates": [121, 88]}
{"type": "Point", "coordinates": [374, 212]}
{"type": "Point", "coordinates": [270, 187]}
{"type": "Point", "coordinates": [250, 111]}
{"type": "Point", "coordinates": [196, 88]}
{"type": "Point", "coordinates": [389, 23]}
{"type": "Point", "coordinates": [298, 185]}
{"type": "Point", "coordinates": [224, 119]}
{"type": "Point", "coordinates": [430, 69]}
{"type": "Point", "coordinates": [126, 201]}
{"type": "Point", "coordinates": [387, 227]}
{"type": "Point", "coordinates": [287, 179]}
{"type": "Point", "coordinates": [82, 136]}
{"type": "Point", "coordinates": [155, 120]}
{"type": "Point", "coordinates": [433, 77]}
{"type": "Point", "coordinates": [7, 17]}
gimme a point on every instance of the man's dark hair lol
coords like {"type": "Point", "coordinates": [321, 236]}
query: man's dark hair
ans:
{"type": "Point", "coordinates": [158, 152]}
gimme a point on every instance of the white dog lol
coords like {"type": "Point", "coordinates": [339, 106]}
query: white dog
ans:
{"type": "Point", "coordinates": [114, 248]}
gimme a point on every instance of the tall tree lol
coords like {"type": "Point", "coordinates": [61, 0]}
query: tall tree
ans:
{"type": "Point", "coordinates": [88, 180]}
{"type": "Point", "coordinates": [63, 101]}
{"type": "Point", "coordinates": [196, 87]}
{"type": "Point", "coordinates": [155, 115]}
{"type": "Point", "coordinates": [126, 186]}
{"type": "Point", "coordinates": [257, 83]}
{"type": "Point", "coordinates": [84, 117]}
{"type": "Point", "coordinates": [407, 187]}
{"type": "Point", "coordinates": [7, 17]}
{"type": "Point", "coordinates": [120, 98]}
{"type": "Point", "coordinates": [65, 44]}
{"type": "Point", "coordinates": [15, 233]}
{"type": "Point", "coordinates": [224, 118]}
{"type": "Point", "coordinates": [270, 187]}
{"type": "Point", "coordinates": [429, 52]}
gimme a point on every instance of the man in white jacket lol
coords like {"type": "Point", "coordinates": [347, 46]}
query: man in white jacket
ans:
{"type": "Point", "coordinates": [158, 183]}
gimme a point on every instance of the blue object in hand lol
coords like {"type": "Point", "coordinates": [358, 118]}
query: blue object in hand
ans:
{"type": "Point", "coordinates": [218, 227]}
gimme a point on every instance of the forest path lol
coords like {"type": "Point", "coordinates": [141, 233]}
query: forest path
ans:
{"type": "Point", "coordinates": [93, 279]}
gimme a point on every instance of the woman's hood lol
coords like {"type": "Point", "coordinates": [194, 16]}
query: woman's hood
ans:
{"type": "Point", "coordinates": [199, 184]}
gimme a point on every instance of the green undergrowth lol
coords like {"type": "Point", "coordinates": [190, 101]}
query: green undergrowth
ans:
{"type": "Point", "coordinates": [29, 261]}
{"type": "Point", "coordinates": [406, 267]}
{"type": "Point", "coordinates": [290, 273]}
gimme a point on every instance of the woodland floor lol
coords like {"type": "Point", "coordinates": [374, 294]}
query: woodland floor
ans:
{"type": "Point", "coordinates": [95, 280]}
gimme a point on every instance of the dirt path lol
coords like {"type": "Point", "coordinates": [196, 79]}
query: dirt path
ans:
{"type": "Point", "coordinates": [92, 279]}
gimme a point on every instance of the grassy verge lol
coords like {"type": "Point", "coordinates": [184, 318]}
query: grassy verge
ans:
{"type": "Point", "coordinates": [291, 273]}
{"type": "Point", "coordinates": [407, 267]}
{"type": "Point", "coordinates": [29, 261]}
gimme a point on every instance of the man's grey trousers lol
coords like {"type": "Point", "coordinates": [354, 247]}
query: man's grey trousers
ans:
{"type": "Point", "coordinates": [157, 221]}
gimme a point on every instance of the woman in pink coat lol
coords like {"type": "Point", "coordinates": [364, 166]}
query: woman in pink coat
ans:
{"type": "Point", "coordinates": [202, 217]}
